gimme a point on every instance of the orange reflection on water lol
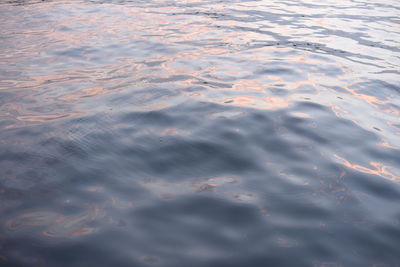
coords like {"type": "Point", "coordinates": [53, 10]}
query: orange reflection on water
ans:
{"type": "Point", "coordinates": [248, 85]}
{"type": "Point", "coordinates": [337, 110]}
{"type": "Point", "coordinates": [387, 145]}
{"type": "Point", "coordinates": [86, 92]}
{"type": "Point", "coordinates": [57, 225]}
{"type": "Point", "coordinates": [372, 100]}
{"type": "Point", "coordinates": [155, 107]}
{"type": "Point", "coordinates": [48, 117]}
{"type": "Point", "coordinates": [169, 131]}
{"type": "Point", "coordinates": [72, 226]}
{"type": "Point", "coordinates": [39, 81]}
{"type": "Point", "coordinates": [195, 95]}
{"type": "Point", "coordinates": [380, 169]}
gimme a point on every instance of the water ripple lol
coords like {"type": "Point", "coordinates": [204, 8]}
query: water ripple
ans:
{"type": "Point", "coordinates": [199, 133]}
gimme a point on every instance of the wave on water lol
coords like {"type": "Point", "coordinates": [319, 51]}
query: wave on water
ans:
{"type": "Point", "coordinates": [199, 133]}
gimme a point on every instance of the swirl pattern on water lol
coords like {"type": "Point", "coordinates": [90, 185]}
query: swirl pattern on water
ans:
{"type": "Point", "coordinates": [199, 133]}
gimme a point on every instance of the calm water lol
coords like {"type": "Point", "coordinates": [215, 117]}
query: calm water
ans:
{"type": "Point", "coordinates": [200, 133]}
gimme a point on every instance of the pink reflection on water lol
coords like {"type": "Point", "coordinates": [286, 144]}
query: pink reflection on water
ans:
{"type": "Point", "coordinates": [255, 102]}
{"type": "Point", "coordinates": [379, 169]}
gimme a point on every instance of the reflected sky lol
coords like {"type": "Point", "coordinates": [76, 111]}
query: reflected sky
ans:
{"type": "Point", "coordinates": [199, 133]}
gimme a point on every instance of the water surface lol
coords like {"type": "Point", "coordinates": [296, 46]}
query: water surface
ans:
{"type": "Point", "coordinates": [199, 133]}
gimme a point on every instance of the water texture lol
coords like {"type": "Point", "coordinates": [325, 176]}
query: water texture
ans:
{"type": "Point", "coordinates": [200, 133]}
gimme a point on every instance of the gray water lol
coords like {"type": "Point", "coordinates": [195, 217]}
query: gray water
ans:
{"type": "Point", "coordinates": [200, 133]}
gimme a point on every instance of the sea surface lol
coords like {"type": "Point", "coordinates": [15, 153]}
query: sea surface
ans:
{"type": "Point", "coordinates": [198, 133]}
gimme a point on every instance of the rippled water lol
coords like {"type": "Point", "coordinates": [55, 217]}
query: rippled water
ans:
{"type": "Point", "coordinates": [200, 133]}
